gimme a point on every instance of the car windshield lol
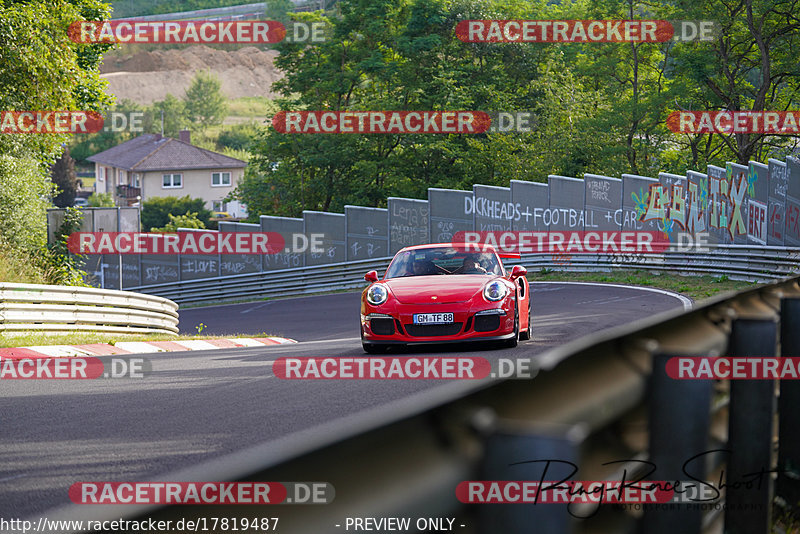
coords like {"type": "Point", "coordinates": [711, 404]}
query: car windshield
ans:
{"type": "Point", "coordinates": [443, 260]}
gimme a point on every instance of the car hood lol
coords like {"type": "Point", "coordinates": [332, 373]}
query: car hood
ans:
{"type": "Point", "coordinates": [446, 288]}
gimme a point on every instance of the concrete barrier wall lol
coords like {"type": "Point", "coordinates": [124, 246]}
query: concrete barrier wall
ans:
{"type": "Point", "coordinates": [531, 199]}
{"type": "Point", "coordinates": [697, 202]}
{"type": "Point", "coordinates": [408, 222]}
{"type": "Point", "coordinates": [776, 207]}
{"type": "Point", "coordinates": [367, 231]}
{"type": "Point", "coordinates": [492, 208]}
{"type": "Point", "coordinates": [719, 206]}
{"type": "Point", "coordinates": [450, 213]}
{"type": "Point", "coordinates": [792, 234]}
{"type": "Point", "coordinates": [566, 211]}
{"type": "Point", "coordinates": [758, 204]}
{"type": "Point", "coordinates": [332, 245]}
{"type": "Point", "coordinates": [636, 203]}
{"type": "Point", "coordinates": [739, 200]}
{"type": "Point", "coordinates": [603, 198]}
{"type": "Point", "coordinates": [291, 229]}
{"type": "Point", "coordinates": [758, 200]}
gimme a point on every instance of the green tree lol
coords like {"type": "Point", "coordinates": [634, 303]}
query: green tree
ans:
{"type": "Point", "coordinates": [279, 10]}
{"type": "Point", "coordinates": [189, 220]}
{"type": "Point", "coordinates": [401, 56]}
{"type": "Point", "coordinates": [598, 107]}
{"type": "Point", "coordinates": [41, 69]}
{"type": "Point", "coordinates": [24, 199]}
{"type": "Point", "coordinates": [65, 180]}
{"type": "Point", "coordinates": [156, 211]}
{"type": "Point", "coordinates": [101, 200]}
{"type": "Point", "coordinates": [84, 145]}
{"type": "Point", "coordinates": [751, 64]}
{"type": "Point", "coordinates": [237, 136]}
{"type": "Point", "coordinates": [204, 102]}
{"type": "Point", "coordinates": [175, 116]}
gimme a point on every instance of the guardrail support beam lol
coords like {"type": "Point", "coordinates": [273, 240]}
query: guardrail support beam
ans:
{"type": "Point", "coordinates": [520, 454]}
{"type": "Point", "coordinates": [750, 433]}
{"type": "Point", "coordinates": [679, 420]}
{"type": "Point", "coordinates": [788, 486]}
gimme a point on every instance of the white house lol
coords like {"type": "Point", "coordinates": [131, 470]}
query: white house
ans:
{"type": "Point", "coordinates": [155, 166]}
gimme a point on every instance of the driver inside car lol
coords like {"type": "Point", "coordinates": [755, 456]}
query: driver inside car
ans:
{"type": "Point", "coordinates": [471, 265]}
{"type": "Point", "coordinates": [423, 267]}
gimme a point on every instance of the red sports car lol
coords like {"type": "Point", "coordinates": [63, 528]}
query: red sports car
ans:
{"type": "Point", "coordinates": [445, 293]}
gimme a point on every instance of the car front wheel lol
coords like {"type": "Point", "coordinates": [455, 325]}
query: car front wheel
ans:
{"type": "Point", "coordinates": [371, 348]}
{"type": "Point", "coordinates": [511, 343]}
{"type": "Point", "coordinates": [528, 333]}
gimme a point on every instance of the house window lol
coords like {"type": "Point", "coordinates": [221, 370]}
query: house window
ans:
{"type": "Point", "coordinates": [135, 180]}
{"type": "Point", "coordinates": [219, 179]}
{"type": "Point", "coordinates": [171, 181]}
{"type": "Point", "coordinates": [217, 205]}
{"type": "Point", "coordinates": [101, 173]}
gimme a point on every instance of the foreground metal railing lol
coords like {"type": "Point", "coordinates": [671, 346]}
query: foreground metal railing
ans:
{"type": "Point", "coordinates": [601, 398]}
{"type": "Point", "coordinates": [756, 263]}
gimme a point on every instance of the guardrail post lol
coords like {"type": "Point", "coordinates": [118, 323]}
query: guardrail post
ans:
{"type": "Point", "coordinates": [788, 487]}
{"type": "Point", "coordinates": [679, 421]}
{"type": "Point", "coordinates": [750, 433]}
{"type": "Point", "coordinates": [521, 454]}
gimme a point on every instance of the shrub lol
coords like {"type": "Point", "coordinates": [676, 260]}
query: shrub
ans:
{"type": "Point", "coordinates": [156, 211]}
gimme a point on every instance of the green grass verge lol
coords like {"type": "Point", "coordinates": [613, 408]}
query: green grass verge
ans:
{"type": "Point", "coordinates": [252, 107]}
{"type": "Point", "coordinates": [695, 287]}
{"type": "Point", "coordinates": [31, 339]}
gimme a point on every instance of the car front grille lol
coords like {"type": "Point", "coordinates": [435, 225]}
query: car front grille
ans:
{"type": "Point", "coordinates": [382, 326]}
{"type": "Point", "coordinates": [433, 330]}
{"type": "Point", "coordinates": [487, 323]}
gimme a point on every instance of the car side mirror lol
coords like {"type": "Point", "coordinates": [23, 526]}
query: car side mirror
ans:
{"type": "Point", "coordinates": [517, 271]}
{"type": "Point", "coordinates": [371, 276]}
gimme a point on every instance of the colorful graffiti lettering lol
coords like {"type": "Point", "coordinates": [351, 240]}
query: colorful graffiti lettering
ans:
{"type": "Point", "coordinates": [752, 178]}
{"type": "Point", "coordinates": [656, 204]}
{"type": "Point", "coordinates": [677, 208]}
{"type": "Point", "coordinates": [668, 207]}
{"type": "Point", "coordinates": [775, 220]}
{"type": "Point", "coordinates": [639, 203]}
{"type": "Point", "coordinates": [736, 197]}
{"type": "Point", "coordinates": [695, 221]}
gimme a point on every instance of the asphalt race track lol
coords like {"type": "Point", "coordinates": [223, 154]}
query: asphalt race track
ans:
{"type": "Point", "coordinates": [590, 307]}
{"type": "Point", "coordinates": [196, 406]}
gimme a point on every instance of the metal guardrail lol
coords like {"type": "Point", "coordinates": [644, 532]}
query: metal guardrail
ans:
{"type": "Point", "coordinates": [47, 308]}
{"type": "Point", "coordinates": [600, 398]}
{"type": "Point", "coordinates": [756, 263]}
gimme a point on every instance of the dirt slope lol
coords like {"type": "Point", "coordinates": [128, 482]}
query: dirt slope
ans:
{"type": "Point", "coordinates": [146, 77]}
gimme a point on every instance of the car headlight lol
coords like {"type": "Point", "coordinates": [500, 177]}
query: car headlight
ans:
{"type": "Point", "coordinates": [377, 294]}
{"type": "Point", "coordinates": [495, 291]}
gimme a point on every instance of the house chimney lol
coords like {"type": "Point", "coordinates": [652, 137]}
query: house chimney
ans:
{"type": "Point", "coordinates": [186, 136]}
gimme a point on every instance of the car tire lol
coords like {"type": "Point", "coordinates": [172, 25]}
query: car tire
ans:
{"type": "Point", "coordinates": [528, 333]}
{"type": "Point", "coordinates": [511, 343]}
{"type": "Point", "coordinates": [371, 348]}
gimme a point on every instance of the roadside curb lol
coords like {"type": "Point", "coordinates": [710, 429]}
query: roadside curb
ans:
{"type": "Point", "coordinates": [139, 347]}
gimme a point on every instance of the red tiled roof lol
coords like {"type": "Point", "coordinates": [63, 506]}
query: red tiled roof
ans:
{"type": "Point", "coordinates": [151, 152]}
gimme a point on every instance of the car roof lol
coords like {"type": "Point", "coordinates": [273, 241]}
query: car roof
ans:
{"type": "Point", "coordinates": [460, 246]}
